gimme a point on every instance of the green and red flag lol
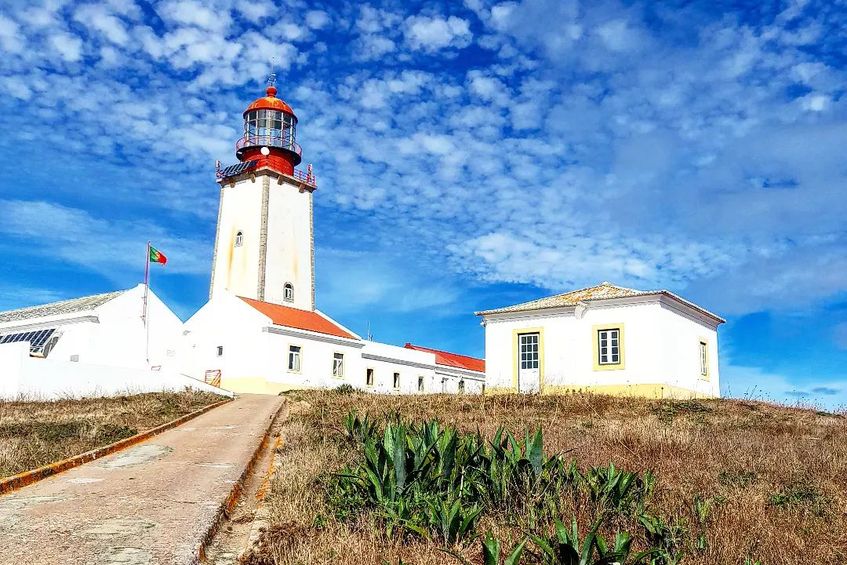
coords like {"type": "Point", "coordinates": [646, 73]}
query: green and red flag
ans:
{"type": "Point", "coordinates": [157, 256]}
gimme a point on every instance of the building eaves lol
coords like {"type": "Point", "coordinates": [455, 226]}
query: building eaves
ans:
{"type": "Point", "coordinates": [598, 293]}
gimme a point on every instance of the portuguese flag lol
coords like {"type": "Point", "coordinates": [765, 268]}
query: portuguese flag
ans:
{"type": "Point", "coordinates": [157, 256]}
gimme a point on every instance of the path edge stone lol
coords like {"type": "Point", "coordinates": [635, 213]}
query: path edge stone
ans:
{"type": "Point", "coordinates": [231, 500]}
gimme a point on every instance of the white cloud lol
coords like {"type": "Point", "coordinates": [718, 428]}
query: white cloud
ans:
{"type": "Point", "coordinates": [98, 18]}
{"type": "Point", "coordinates": [68, 46]}
{"type": "Point", "coordinates": [378, 281]}
{"type": "Point", "coordinates": [815, 102]}
{"type": "Point", "coordinates": [618, 35]}
{"type": "Point", "coordinates": [112, 247]}
{"type": "Point", "coordinates": [317, 19]}
{"type": "Point", "coordinates": [192, 13]}
{"type": "Point", "coordinates": [16, 87]}
{"type": "Point", "coordinates": [255, 11]}
{"type": "Point", "coordinates": [11, 39]}
{"type": "Point", "coordinates": [435, 33]}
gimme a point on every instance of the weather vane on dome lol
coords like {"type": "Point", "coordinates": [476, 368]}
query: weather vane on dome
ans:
{"type": "Point", "coordinates": [272, 74]}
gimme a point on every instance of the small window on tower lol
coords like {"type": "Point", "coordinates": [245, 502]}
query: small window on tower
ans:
{"type": "Point", "coordinates": [288, 292]}
{"type": "Point", "coordinates": [239, 239]}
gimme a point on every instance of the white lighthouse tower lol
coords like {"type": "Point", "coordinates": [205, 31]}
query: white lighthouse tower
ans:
{"type": "Point", "coordinates": [264, 245]}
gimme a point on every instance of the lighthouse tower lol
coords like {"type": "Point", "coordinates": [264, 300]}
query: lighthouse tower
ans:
{"type": "Point", "coordinates": [264, 246]}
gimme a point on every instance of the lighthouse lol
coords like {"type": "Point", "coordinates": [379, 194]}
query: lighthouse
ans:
{"type": "Point", "coordinates": [264, 244]}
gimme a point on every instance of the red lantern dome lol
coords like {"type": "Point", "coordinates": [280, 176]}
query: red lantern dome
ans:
{"type": "Point", "coordinates": [270, 129]}
{"type": "Point", "coordinates": [270, 102]}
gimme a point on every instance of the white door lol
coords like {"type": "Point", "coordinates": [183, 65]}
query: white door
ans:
{"type": "Point", "coordinates": [528, 373]}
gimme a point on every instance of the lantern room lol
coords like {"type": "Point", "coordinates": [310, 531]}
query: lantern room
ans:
{"type": "Point", "coordinates": [270, 131]}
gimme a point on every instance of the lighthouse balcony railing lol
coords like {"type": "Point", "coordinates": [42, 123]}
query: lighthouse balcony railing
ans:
{"type": "Point", "coordinates": [268, 141]}
{"type": "Point", "coordinates": [306, 177]}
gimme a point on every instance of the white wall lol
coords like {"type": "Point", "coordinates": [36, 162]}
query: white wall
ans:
{"type": "Point", "coordinates": [385, 360]}
{"type": "Point", "coordinates": [236, 268]}
{"type": "Point", "coordinates": [224, 321]}
{"type": "Point", "coordinates": [255, 358]}
{"type": "Point", "coordinates": [289, 241]}
{"type": "Point", "coordinates": [652, 341]}
{"type": "Point", "coordinates": [681, 341]}
{"type": "Point", "coordinates": [114, 333]}
{"type": "Point", "coordinates": [45, 379]}
{"type": "Point", "coordinates": [289, 256]}
{"type": "Point", "coordinates": [316, 355]}
{"type": "Point", "coordinates": [255, 355]}
{"type": "Point", "coordinates": [120, 337]}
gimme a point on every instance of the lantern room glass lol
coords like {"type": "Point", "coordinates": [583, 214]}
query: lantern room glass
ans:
{"type": "Point", "coordinates": [270, 127]}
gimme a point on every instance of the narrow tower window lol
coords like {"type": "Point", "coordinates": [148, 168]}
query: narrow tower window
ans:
{"type": "Point", "coordinates": [288, 292]}
{"type": "Point", "coordinates": [239, 239]}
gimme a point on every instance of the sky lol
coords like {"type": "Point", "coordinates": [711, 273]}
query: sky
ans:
{"type": "Point", "coordinates": [468, 156]}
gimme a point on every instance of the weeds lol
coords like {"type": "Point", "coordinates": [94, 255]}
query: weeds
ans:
{"type": "Point", "coordinates": [801, 494]}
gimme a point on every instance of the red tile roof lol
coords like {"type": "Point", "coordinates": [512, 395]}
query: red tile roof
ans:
{"type": "Point", "coordinates": [452, 359]}
{"type": "Point", "coordinates": [300, 319]}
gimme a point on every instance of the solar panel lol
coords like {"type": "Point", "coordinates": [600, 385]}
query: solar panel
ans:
{"type": "Point", "coordinates": [238, 168]}
{"type": "Point", "coordinates": [37, 339]}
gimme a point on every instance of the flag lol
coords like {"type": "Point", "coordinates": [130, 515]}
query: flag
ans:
{"type": "Point", "coordinates": [157, 256]}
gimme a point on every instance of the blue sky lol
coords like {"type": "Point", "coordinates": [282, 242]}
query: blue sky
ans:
{"type": "Point", "coordinates": [469, 155]}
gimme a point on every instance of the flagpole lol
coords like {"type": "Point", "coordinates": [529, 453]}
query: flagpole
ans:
{"type": "Point", "coordinates": [146, 293]}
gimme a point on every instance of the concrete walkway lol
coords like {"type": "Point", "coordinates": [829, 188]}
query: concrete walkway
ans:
{"type": "Point", "coordinates": [151, 504]}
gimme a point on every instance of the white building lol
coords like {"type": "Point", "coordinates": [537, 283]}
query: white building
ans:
{"type": "Point", "coordinates": [91, 346]}
{"type": "Point", "coordinates": [104, 329]}
{"type": "Point", "coordinates": [262, 347]}
{"type": "Point", "coordinates": [260, 330]}
{"type": "Point", "coordinates": [606, 339]}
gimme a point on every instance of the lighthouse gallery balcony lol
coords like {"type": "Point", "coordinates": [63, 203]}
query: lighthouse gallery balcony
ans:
{"type": "Point", "coordinates": [268, 140]}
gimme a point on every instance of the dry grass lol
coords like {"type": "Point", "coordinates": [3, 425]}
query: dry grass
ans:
{"type": "Point", "coordinates": [33, 434]}
{"type": "Point", "coordinates": [775, 475]}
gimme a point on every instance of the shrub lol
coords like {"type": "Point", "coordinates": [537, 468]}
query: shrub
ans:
{"type": "Point", "coordinates": [432, 481]}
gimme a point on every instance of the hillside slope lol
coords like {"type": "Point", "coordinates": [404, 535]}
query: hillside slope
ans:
{"type": "Point", "coordinates": [736, 481]}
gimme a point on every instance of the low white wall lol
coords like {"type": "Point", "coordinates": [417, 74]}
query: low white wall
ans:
{"type": "Point", "coordinates": [45, 379]}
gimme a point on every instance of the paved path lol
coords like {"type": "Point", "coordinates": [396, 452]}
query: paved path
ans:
{"type": "Point", "coordinates": [150, 504]}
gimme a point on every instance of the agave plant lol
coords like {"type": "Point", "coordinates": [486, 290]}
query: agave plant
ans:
{"type": "Point", "coordinates": [566, 548]}
{"type": "Point", "coordinates": [451, 520]}
{"type": "Point", "coordinates": [667, 538]}
{"type": "Point", "coordinates": [491, 552]}
{"type": "Point", "coordinates": [357, 429]}
{"type": "Point", "coordinates": [613, 489]}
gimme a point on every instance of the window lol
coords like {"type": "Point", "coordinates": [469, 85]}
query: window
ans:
{"type": "Point", "coordinates": [704, 360]}
{"type": "Point", "coordinates": [220, 350]}
{"type": "Point", "coordinates": [420, 384]}
{"type": "Point", "coordinates": [396, 380]}
{"type": "Point", "coordinates": [483, 388]}
{"type": "Point", "coordinates": [294, 358]}
{"type": "Point", "coordinates": [608, 346]}
{"type": "Point", "coordinates": [443, 384]}
{"type": "Point", "coordinates": [461, 386]}
{"type": "Point", "coordinates": [338, 365]}
{"type": "Point", "coordinates": [369, 377]}
{"type": "Point", "coordinates": [239, 239]}
{"type": "Point", "coordinates": [288, 292]}
{"type": "Point", "coordinates": [529, 351]}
